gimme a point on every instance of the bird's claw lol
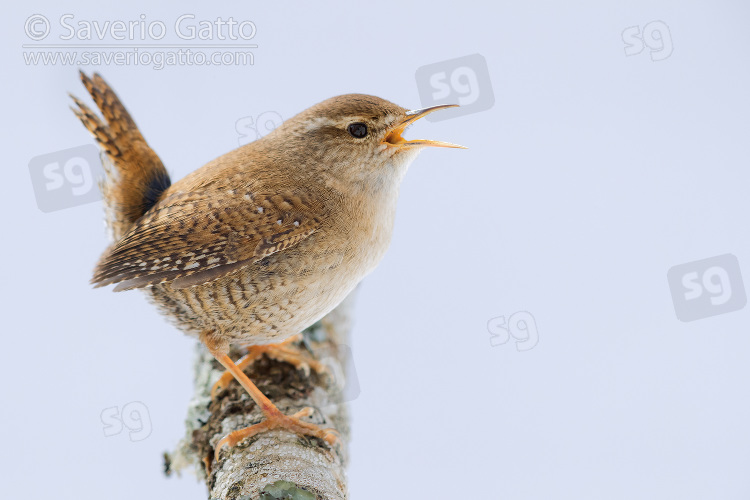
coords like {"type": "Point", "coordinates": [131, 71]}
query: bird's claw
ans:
{"type": "Point", "coordinates": [277, 420]}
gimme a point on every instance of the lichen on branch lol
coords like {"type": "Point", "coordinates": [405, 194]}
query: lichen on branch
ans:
{"type": "Point", "coordinates": [275, 464]}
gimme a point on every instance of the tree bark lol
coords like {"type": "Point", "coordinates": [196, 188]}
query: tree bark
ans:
{"type": "Point", "coordinates": [274, 464]}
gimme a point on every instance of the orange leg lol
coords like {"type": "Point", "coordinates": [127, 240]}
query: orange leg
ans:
{"type": "Point", "coordinates": [279, 352]}
{"type": "Point", "coordinates": [274, 418]}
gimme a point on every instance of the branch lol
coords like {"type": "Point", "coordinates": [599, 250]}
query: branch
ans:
{"type": "Point", "coordinates": [275, 464]}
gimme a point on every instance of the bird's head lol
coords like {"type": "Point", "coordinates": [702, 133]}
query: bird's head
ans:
{"type": "Point", "coordinates": [358, 137]}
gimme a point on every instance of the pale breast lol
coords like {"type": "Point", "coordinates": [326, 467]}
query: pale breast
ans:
{"type": "Point", "coordinates": [286, 292]}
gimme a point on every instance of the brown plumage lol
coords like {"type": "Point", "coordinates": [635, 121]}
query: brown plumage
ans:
{"type": "Point", "coordinates": [263, 241]}
{"type": "Point", "coordinates": [136, 176]}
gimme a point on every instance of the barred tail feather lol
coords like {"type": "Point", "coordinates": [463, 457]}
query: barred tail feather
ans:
{"type": "Point", "coordinates": [135, 177]}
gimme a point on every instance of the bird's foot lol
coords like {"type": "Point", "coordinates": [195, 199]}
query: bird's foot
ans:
{"type": "Point", "coordinates": [286, 351]}
{"type": "Point", "coordinates": [277, 420]}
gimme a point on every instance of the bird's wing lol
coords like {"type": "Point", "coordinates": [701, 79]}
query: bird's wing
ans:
{"type": "Point", "coordinates": [193, 238]}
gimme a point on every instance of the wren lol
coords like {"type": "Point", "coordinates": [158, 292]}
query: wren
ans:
{"type": "Point", "coordinates": [262, 242]}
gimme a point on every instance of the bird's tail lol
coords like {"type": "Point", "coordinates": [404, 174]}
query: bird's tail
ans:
{"type": "Point", "coordinates": [135, 177]}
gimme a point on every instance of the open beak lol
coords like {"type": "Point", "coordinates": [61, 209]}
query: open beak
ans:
{"type": "Point", "coordinates": [393, 137]}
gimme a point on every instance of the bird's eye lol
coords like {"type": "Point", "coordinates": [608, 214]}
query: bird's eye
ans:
{"type": "Point", "coordinates": [358, 130]}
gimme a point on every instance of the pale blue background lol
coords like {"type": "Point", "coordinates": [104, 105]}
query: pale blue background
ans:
{"type": "Point", "coordinates": [592, 175]}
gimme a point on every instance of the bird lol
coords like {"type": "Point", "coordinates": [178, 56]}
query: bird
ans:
{"type": "Point", "coordinates": [263, 241]}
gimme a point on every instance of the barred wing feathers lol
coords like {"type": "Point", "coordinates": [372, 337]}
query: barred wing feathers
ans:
{"type": "Point", "coordinates": [191, 238]}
